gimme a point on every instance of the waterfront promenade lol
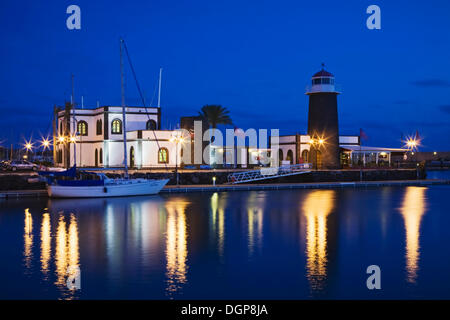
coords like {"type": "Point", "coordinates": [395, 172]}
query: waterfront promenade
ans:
{"type": "Point", "coordinates": [256, 187]}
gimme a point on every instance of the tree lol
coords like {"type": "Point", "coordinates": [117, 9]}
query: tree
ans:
{"type": "Point", "coordinates": [215, 115]}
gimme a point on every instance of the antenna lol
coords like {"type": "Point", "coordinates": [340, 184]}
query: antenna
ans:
{"type": "Point", "coordinates": [124, 120]}
{"type": "Point", "coordinates": [159, 88]}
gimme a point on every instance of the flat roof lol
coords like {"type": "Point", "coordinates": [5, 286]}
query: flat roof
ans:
{"type": "Point", "coordinates": [353, 147]}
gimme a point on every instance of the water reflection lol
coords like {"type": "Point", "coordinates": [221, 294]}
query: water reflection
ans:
{"type": "Point", "coordinates": [217, 220]}
{"type": "Point", "coordinates": [28, 239]}
{"type": "Point", "coordinates": [66, 252]}
{"type": "Point", "coordinates": [46, 244]}
{"type": "Point", "coordinates": [316, 207]}
{"type": "Point", "coordinates": [176, 245]}
{"type": "Point", "coordinates": [412, 210]}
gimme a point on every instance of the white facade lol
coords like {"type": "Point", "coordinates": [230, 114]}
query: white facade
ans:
{"type": "Point", "coordinates": [99, 139]}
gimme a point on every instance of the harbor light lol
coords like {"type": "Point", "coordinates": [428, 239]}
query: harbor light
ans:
{"type": "Point", "coordinates": [45, 143]}
{"type": "Point", "coordinates": [214, 181]}
{"type": "Point", "coordinates": [435, 153]}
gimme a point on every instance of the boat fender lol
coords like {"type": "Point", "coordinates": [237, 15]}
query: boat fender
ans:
{"type": "Point", "coordinates": [105, 190]}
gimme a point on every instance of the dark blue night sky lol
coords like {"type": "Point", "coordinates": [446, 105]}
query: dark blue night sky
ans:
{"type": "Point", "coordinates": [254, 57]}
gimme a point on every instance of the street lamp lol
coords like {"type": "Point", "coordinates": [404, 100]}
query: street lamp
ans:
{"type": "Point", "coordinates": [28, 146]}
{"type": "Point", "coordinates": [177, 138]}
{"type": "Point", "coordinates": [45, 143]}
{"type": "Point", "coordinates": [316, 143]}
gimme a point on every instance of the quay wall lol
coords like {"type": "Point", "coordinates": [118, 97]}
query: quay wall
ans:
{"type": "Point", "coordinates": [30, 181]}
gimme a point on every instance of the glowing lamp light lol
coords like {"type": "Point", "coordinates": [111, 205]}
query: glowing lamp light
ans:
{"type": "Point", "coordinates": [321, 141]}
{"type": "Point", "coordinates": [311, 141]}
{"type": "Point", "coordinates": [28, 146]}
{"type": "Point", "coordinates": [61, 139]}
{"type": "Point", "coordinates": [73, 139]}
{"type": "Point", "coordinates": [435, 153]}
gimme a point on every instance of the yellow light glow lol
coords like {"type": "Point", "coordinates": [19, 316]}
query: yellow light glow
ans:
{"type": "Point", "coordinates": [61, 139]}
{"type": "Point", "coordinates": [317, 206]}
{"type": "Point", "coordinates": [176, 245]}
{"type": "Point", "coordinates": [311, 141]}
{"type": "Point", "coordinates": [45, 243]}
{"type": "Point", "coordinates": [28, 239]}
{"type": "Point", "coordinates": [412, 210]}
{"type": "Point", "coordinates": [321, 141]}
{"type": "Point", "coordinates": [435, 153]}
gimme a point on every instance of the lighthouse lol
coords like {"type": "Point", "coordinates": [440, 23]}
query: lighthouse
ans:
{"type": "Point", "coordinates": [323, 128]}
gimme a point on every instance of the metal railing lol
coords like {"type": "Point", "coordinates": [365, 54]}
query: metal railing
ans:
{"type": "Point", "coordinates": [269, 173]}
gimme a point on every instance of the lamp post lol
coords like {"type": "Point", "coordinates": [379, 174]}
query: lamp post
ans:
{"type": "Point", "coordinates": [177, 138]}
{"type": "Point", "coordinates": [29, 147]}
{"type": "Point", "coordinates": [45, 143]}
{"type": "Point", "coordinates": [316, 143]}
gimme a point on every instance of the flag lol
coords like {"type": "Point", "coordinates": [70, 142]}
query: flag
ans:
{"type": "Point", "coordinates": [363, 135]}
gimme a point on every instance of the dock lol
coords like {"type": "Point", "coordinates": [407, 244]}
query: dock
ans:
{"type": "Point", "coordinates": [254, 187]}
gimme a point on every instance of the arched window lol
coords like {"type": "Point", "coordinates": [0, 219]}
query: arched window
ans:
{"type": "Point", "coordinates": [305, 155]}
{"type": "Point", "coordinates": [290, 156]}
{"type": "Point", "coordinates": [116, 127]}
{"type": "Point", "coordinates": [101, 156]}
{"type": "Point", "coordinates": [163, 155]}
{"type": "Point", "coordinates": [82, 128]}
{"type": "Point", "coordinates": [96, 157]}
{"type": "Point", "coordinates": [319, 159]}
{"type": "Point", "coordinates": [280, 155]}
{"type": "Point", "coordinates": [99, 127]}
{"type": "Point", "coordinates": [131, 157]}
{"type": "Point", "coordinates": [151, 125]}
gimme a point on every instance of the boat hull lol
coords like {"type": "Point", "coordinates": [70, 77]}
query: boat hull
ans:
{"type": "Point", "coordinates": [118, 188]}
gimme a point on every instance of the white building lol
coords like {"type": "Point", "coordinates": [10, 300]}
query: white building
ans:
{"type": "Point", "coordinates": [295, 149]}
{"type": "Point", "coordinates": [98, 141]}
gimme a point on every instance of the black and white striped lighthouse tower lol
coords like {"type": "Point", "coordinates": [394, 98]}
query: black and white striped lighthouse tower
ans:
{"type": "Point", "coordinates": [323, 128]}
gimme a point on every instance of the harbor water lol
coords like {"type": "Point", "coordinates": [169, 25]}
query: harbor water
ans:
{"type": "Point", "coordinates": [286, 244]}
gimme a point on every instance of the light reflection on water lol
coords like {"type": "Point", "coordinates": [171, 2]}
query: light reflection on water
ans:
{"type": "Point", "coordinates": [412, 210]}
{"type": "Point", "coordinates": [166, 247]}
{"type": "Point", "coordinates": [316, 208]}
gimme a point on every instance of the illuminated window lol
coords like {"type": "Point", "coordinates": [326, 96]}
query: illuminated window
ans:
{"type": "Point", "coordinates": [305, 155]}
{"type": "Point", "coordinates": [116, 127]}
{"type": "Point", "coordinates": [82, 128]}
{"type": "Point", "coordinates": [163, 155]}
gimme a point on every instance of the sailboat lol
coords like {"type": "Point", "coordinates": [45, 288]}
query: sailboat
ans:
{"type": "Point", "coordinates": [101, 185]}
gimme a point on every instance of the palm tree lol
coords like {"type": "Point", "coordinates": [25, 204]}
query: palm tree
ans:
{"type": "Point", "coordinates": [215, 115]}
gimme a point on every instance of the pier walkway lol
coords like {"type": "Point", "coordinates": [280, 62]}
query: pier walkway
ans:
{"type": "Point", "coordinates": [255, 187]}
{"type": "Point", "coordinates": [269, 173]}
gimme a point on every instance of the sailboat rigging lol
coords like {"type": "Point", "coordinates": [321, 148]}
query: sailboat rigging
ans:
{"type": "Point", "coordinates": [103, 186]}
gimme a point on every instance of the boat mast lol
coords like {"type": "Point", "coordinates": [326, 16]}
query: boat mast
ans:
{"type": "Point", "coordinates": [124, 121]}
{"type": "Point", "coordinates": [72, 109]}
{"type": "Point", "coordinates": [159, 88]}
